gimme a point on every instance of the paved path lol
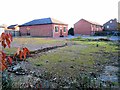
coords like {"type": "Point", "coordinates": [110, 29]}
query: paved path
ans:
{"type": "Point", "coordinates": [113, 38]}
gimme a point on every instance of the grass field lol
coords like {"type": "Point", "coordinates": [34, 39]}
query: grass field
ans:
{"type": "Point", "coordinates": [83, 56]}
{"type": "Point", "coordinates": [78, 57]}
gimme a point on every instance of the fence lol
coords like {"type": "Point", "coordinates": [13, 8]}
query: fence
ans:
{"type": "Point", "coordinates": [13, 32]}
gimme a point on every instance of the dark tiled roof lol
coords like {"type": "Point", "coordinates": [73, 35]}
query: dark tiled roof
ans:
{"type": "Point", "coordinates": [42, 21]}
{"type": "Point", "coordinates": [12, 26]}
{"type": "Point", "coordinates": [110, 20]}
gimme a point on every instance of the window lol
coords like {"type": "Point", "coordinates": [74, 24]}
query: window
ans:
{"type": "Point", "coordinates": [91, 27]}
{"type": "Point", "coordinates": [64, 29]}
{"type": "Point", "coordinates": [110, 21]}
{"type": "Point", "coordinates": [107, 26]}
{"type": "Point", "coordinates": [56, 28]}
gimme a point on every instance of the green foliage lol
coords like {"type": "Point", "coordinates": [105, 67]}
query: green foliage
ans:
{"type": "Point", "coordinates": [71, 31]}
{"type": "Point", "coordinates": [81, 39]}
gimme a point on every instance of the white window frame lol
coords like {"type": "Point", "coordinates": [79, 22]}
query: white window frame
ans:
{"type": "Point", "coordinates": [65, 28]}
{"type": "Point", "coordinates": [91, 27]}
{"type": "Point", "coordinates": [110, 21]}
{"type": "Point", "coordinates": [108, 26]}
{"type": "Point", "coordinates": [55, 28]}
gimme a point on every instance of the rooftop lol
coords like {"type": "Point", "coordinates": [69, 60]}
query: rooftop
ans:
{"type": "Point", "coordinates": [95, 23]}
{"type": "Point", "coordinates": [42, 21]}
{"type": "Point", "coordinates": [12, 26]}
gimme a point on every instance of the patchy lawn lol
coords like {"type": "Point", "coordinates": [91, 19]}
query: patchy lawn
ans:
{"type": "Point", "coordinates": [64, 64]}
{"type": "Point", "coordinates": [81, 57]}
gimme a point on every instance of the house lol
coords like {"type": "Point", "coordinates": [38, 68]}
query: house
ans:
{"type": "Point", "coordinates": [85, 27]}
{"type": "Point", "coordinates": [111, 25]}
{"type": "Point", "coordinates": [13, 29]}
{"type": "Point", "coordinates": [45, 27]}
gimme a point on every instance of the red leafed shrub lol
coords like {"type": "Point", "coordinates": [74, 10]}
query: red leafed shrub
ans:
{"type": "Point", "coordinates": [6, 40]}
{"type": "Point", "coordinates": [22, 53]}
{"type": "Point", "coordinates": [25, 52]}
{"type": "Point", "coordinates": [3, 61]}
{"type": "Point", "coordinates": [10, 60]}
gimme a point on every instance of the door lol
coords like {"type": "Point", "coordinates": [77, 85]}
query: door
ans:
{"type": "Point", "coordinates": [28, 31]}
{"type": "Point", "coordinates": [61, 35]}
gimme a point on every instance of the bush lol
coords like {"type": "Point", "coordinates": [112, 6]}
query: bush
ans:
{"type": "Point", "coordinates": [71, 31]}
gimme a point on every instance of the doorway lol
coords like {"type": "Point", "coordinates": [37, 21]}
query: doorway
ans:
{"type": "Point", "coordinates": [61, 33]}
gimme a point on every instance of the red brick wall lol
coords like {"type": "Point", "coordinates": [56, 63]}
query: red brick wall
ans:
{"type": "Point", "coordinates": [44, 30]}
{"type": "Point", "coordinates": [82, 27]}
{"type": "Point", "coordinates": [37, 30]}
{"type": "Point", "coordinates": [61, 28]}
{"type": "Point", "coordinates": [95, 28]}
{"type": "Point", "coordinates": [41, 30]}
{"type": "Point", "coordinates": [23, 30]}
{"type": "Point", "coordinates": [85, 28]}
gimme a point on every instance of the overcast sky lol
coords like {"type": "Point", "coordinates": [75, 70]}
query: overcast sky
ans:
{"type": "Point", "coordinates": [68, 11]}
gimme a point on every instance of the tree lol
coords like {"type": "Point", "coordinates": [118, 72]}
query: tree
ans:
{"type": "Point", "coordinates": [71, 31]}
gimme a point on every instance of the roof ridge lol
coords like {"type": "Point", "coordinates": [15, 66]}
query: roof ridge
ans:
{"type": "Point", "coordinates": [92, 22]}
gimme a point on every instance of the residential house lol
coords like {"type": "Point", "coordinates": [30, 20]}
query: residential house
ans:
{"type": "Point", "coordinates": [111, 25]}
{"type": "Point", "coordinates": [45, 27]}
{"type": "Point", "coordinates": [13, 29]}
{"type": "Point", "coordinates": [85, 27]}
